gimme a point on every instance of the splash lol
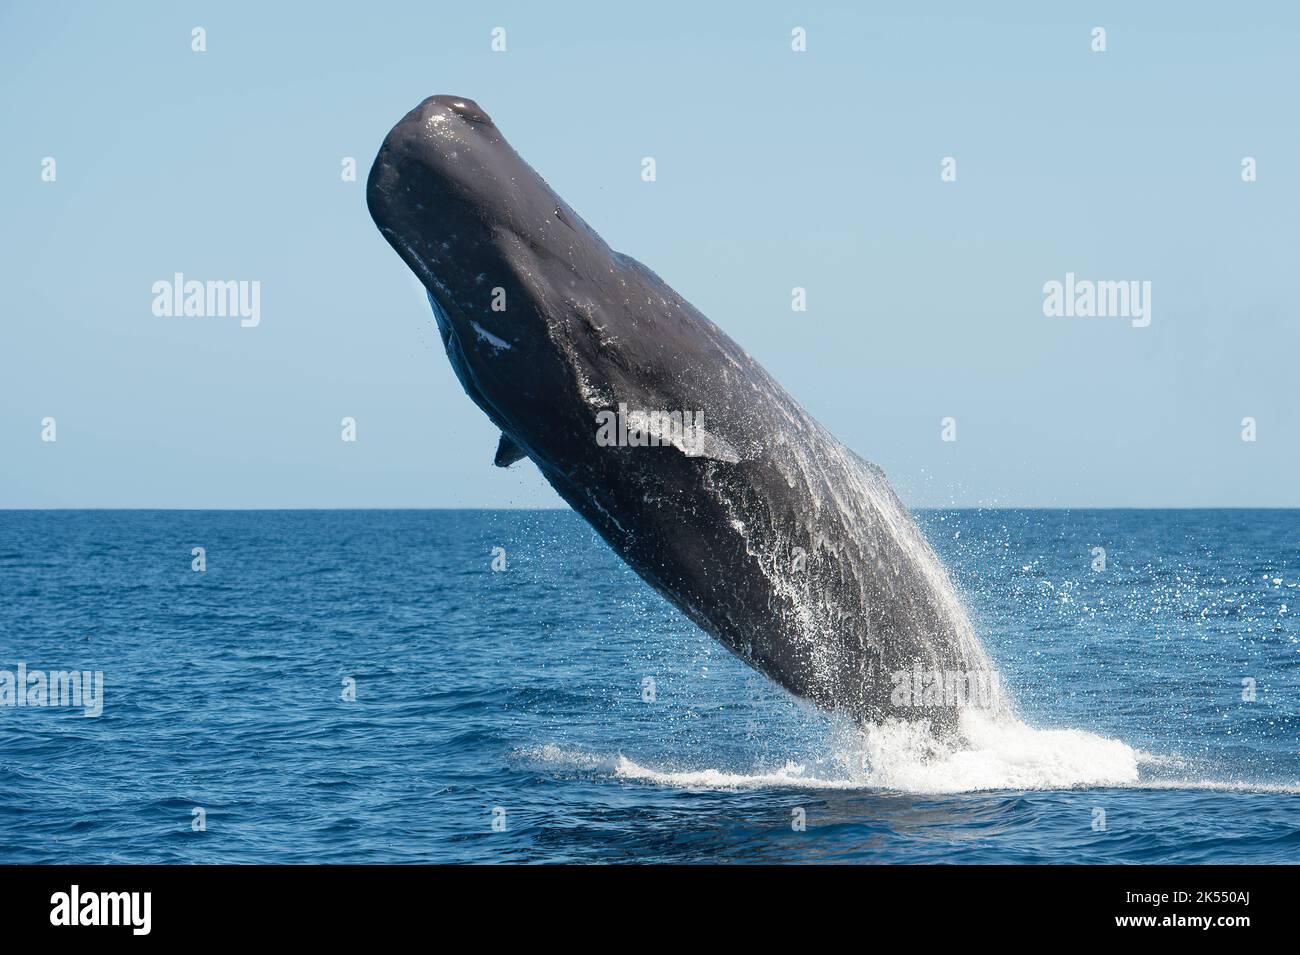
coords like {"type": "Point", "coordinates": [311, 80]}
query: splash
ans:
{"type": "Point", "coordinates": [995, 753]}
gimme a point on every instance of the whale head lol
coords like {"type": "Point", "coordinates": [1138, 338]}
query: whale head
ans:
{"type": "Point", "coordinates": [486, 236]}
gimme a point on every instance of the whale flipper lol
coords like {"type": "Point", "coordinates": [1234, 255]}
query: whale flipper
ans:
{"type": "Point", "coordinates": [507, 452]}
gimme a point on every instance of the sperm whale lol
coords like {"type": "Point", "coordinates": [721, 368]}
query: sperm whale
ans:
{"type": "Point", "coordinates": [685, 455]}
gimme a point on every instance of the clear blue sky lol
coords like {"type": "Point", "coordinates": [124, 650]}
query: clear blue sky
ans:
{"type": "Point", "coordinates": [775, 170]}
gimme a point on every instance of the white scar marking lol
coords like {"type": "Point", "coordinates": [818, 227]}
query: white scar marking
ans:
{"type": "Point", "coordinates": [485, 335]}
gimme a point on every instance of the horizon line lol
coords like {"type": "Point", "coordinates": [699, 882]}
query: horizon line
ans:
{"type": "Point", "coordinates": [919, 507]}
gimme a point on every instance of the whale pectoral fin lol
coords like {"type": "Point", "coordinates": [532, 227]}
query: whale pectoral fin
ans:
{"type": "Point", "coordinates": [507, 452]}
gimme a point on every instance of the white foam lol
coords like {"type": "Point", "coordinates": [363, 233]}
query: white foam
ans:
{"type": "Point", "coordinates": [790, 775]}
{"type": "Point", "coordinates": [1219, 785]}
{"type": "Point", "coordinates": [551, 756]}
{"type": "Point", "coordinates": [998, 753]}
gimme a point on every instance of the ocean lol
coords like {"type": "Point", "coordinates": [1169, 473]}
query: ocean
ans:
{"type": "Point", "coordinates": [364, 686]}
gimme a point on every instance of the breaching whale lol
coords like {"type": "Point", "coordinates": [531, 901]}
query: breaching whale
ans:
{"type": "Point", "coordinates": [696, 467]}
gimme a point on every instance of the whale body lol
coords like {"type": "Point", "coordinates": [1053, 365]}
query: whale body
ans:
{"type": "Point", "coordinates": [696, 467]}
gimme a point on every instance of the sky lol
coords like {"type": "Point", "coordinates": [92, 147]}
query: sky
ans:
{"type": "Point", "coordinates": [775, 169]}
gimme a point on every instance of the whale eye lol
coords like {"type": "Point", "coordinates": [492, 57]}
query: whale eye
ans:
{"type": "Point", "coordinates": [469, 110]}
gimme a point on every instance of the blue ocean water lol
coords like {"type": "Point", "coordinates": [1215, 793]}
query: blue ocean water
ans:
{"type": "Point", "coordinates": [568, 703]}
